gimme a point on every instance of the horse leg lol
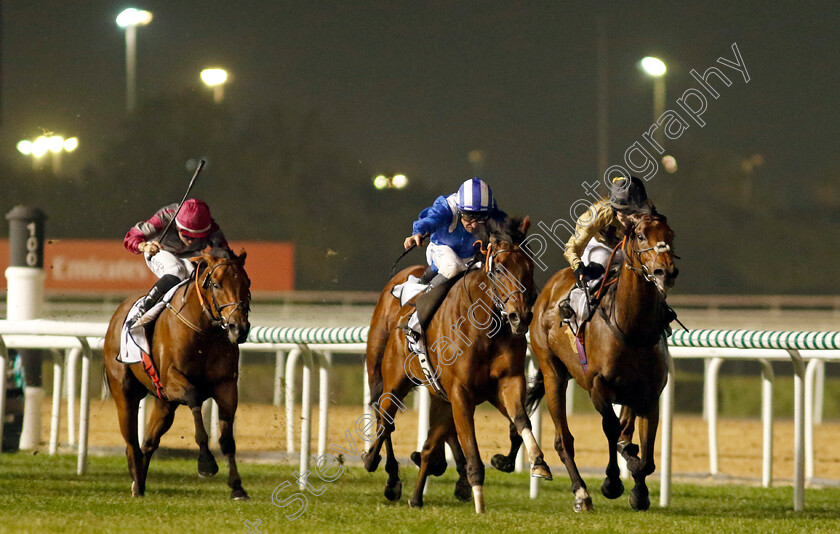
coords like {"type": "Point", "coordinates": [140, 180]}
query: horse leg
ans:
{"type": "Point", "coordinates": [613, 487]}
{"type": "Point", "coordinates": [226, 396]}
{"type": "Point", "coordinates": [127, 400]}
{"type": "Point", "coordinates": [393, 487]}
{"type": "Point", "coordinates": [644, 466]}
{"type": "Point", "coordinates": [160, 420]}
{"type": "Point", "coordinates": [512, 397]}
{"type": "Point", "coordinates": [385, 413]}
{"type": "Point", "coordinates": [440, 425]}
{"type": "Point", "coordinates": [463, 491]}
{"type": "Point", "coordinates": [556, 381]}
{"type": "Point", "coordinates": [463, 411]}
{"type": "Point", "coordinates": [207, 466]}
{"type": "Point", "coordinates": [625, 444]}
{"type": "Point", "coordinates": [506, 463]}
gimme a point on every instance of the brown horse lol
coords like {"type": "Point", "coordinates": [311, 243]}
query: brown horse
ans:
{"type": "Point", "coordinates": [476, 344]}
{"type": "Point", "coordinates": [195, 350]}
{"type": "Point", "coordinates": [627, 357]}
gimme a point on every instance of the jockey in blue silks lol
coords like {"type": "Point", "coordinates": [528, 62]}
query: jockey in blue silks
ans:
{"type": "Point", "coordinates": [454, 223]}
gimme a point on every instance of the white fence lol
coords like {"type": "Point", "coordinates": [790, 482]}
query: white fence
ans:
{"type": "Point", "coordinates": [313, 347]}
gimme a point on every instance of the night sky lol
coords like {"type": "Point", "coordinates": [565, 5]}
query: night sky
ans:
{"type": "Point", "coordinates": [410, 86]}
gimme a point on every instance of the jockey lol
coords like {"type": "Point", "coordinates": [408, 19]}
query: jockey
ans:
{"type": "Point", "coordinates": [452, 222]}
{"type": "Point", "coordinates": [168, 256]}
{"type": "Point", "coordinates": [597, 232]}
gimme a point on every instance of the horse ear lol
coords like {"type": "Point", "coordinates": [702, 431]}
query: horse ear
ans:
{"type": "Point", "coordinates": [526, 224]}
{"type": "Point", "coordinates": [242, 255]}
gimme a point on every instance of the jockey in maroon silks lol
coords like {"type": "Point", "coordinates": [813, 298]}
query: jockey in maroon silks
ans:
{"type": "Point", "coordinates": [168, 255]}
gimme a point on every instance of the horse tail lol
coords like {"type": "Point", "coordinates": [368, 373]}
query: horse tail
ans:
{"type": "Point", "coordinates": [536, 391]}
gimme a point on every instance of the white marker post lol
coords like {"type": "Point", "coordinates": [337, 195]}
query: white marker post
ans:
{"type": "Point", "coordinates": [24, 300]}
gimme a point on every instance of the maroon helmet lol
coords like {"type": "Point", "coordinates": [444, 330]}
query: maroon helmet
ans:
{"type": "Point", "coordinates": [194, 219]}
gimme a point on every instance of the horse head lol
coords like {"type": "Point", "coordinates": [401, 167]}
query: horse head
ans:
{"type": "Point", "coordinates": [650, 249]}
{"type": "Point", "coordinates": [511, 273]}
{"type": "Point", "coordinates": [226, 295]}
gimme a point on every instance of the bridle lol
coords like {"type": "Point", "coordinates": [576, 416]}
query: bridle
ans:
{"type": "Point", "coordinates": [494, 276]}
{"type": "Point", "coordinates": [661, 247]}
{"type": "Point", "coordinates": [219, 318]}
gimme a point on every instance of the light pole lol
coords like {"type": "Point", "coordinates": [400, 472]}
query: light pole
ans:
{"type": "Point", "coordinates": [215, 79]}
{"type": "Point", "coordinates": [656, 68]}
{"type": "Point", "coordinates": [129, 19]}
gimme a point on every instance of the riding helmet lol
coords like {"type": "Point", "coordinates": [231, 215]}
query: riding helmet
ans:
{"type": "Point", "coordinates": [475, 196]}
{"type": "Point", "coordinates": [194, 219]}
{"type": "Point", "coordinates": [628, 196]}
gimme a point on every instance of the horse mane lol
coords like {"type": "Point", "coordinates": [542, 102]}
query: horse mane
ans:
{"type": "Point", "coordinates": [509, 230]}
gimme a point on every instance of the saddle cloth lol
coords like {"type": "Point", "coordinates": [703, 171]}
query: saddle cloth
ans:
{"type": "Point", "coordinates": [408, 289]}
{"type": "Point", "coordinates": [133, 341]}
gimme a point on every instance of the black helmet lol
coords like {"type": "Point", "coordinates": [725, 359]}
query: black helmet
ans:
{"type": "Point", "coordinates": [628, 197]}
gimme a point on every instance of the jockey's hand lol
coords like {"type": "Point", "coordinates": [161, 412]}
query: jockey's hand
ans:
{"type": "Point", "coordinates": [579, 276]}
{"type": "Point", "coordinates": [149, 247]}
{"type": "Point", "coordinates": [414, 241]}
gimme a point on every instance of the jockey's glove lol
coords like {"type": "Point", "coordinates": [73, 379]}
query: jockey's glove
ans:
{"type": "Point", "coordinates": [579, 272]}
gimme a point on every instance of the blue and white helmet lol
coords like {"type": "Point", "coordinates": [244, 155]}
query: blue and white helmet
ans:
{"type": "Point", "coordinates": [474, 196]}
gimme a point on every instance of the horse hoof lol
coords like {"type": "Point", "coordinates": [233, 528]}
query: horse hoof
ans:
{"type": "Point", "coordinates": [463, 492]}
{"type": "Point", "coordinates": [436, 469]}
{"type": "Point", "coordinates": [239, 495]}
{"type": "Point", "coordinates": [540, 470]}
{"type": "Point", "coordinates": [639, 503]}
{"type": "Point", "coordinates": [393, 493]}
{"type": "Point", "coordinates": [415, 504]}
{"type": "Point", "coordinates": [371, 462]}
{"type": "Point", "coordinates": [502, 463]}
{"type": "Point", "coordinates": [583, 505]}
{"type": "Point", "coordinates": [135, 491]}
{"type": "Point", "coordinates": [207, 466]}
{"type": "Point", "coordinates": [612, 488]}
{"type": "Point", "coordinates": [627, 450]}
{"type": "Point", "coordinates": [415, 457]}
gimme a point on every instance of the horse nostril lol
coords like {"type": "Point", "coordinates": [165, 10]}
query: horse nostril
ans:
{"type": "Point", "coordinates": [659, 272]}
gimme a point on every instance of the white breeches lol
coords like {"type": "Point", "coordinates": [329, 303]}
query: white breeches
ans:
{"type": "Point", "coordinates": [167, 263]}
{"type": "Point", "coordinates": [444, 258]}
{"type": "Point", "coordinates": [595, 252]}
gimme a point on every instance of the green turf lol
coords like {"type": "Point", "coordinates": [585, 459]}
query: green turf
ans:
{"type": "Point", "coordinates": [43, 494]}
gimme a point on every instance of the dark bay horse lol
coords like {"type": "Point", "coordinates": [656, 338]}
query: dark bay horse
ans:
{"type": "Point", "coordinates": [627, 357]}
{"type": "Point", "coordinates": [195, 351]}
{"type": "Point", "coordinates": [476, 344]}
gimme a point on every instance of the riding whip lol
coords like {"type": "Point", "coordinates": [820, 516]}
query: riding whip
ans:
{"type": "Point", "coordinates": [409, 249]}
{"type": "Point", "coordinates": [189, 188]}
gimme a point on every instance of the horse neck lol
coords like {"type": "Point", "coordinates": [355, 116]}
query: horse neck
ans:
{"type": "Point", "coordinates": [637, 302]}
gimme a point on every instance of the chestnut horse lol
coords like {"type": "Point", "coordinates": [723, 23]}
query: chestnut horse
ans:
{"type": "Point", "coordinates": [476, 344]}
{"type": "Point", "coordinates": [195, 351]}
{"type": "Point", "coordinates": [627, 357]}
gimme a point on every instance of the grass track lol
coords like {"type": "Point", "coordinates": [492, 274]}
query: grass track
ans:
{"type": "Point", "coordinates": [42, 494]}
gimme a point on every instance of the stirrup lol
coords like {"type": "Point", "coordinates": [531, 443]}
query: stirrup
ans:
{"type": "Point", "coordinates": [564, 309]}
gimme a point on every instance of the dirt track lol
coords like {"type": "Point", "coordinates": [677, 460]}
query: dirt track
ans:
{"type": "Point", "coordinates": [262, 428]}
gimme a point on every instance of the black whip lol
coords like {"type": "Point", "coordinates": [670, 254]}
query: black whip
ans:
{"type": "Point", "coordinates": [409, 249]}
{"type": "Point", "coordinates": [189, 188]}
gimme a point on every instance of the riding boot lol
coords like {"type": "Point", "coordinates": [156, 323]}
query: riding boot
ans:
{"type": "Point", "coordinates": [437, 281]}
{"type": "Point", "coordinates": [164, 284]}
{"type": "Point", "coordinates": [428, 275]}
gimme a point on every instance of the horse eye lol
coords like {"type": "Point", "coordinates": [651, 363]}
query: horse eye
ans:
{"type": "Point", "coordinates": [641, 237]}
{"type": "Point", "coordinates": [216, 286]}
